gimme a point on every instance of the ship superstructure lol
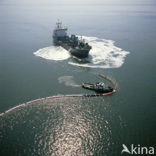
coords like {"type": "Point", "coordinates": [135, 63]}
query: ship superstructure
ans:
{"type": "Point", "coordinates": [73, 44]}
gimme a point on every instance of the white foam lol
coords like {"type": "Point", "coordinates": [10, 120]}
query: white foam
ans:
{"type": "Point", "coordinates": [53, 53]}
{"type": "Point", "coordinates": [104, 54]}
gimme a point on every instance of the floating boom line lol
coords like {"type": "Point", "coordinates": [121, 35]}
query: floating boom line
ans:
{"type": "Point", "coordinates": [63, 96]}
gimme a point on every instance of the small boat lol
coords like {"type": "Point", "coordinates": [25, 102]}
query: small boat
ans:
{"type": "Point", "coordinates": [97, 87]}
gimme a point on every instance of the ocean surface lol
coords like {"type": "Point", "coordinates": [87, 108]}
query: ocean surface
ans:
{"type": "Point", "coordinates": [122, 34]}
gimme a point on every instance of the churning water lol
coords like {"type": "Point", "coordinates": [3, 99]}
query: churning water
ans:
{"type": "Point", "coordinates": [53, 53]}
{"type": "Point", "coordinates": [104, 54]}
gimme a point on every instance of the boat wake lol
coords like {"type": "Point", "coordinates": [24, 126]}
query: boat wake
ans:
{"type": "Point", "coordinates": [68, 81]}
{"type": "Point", "coordinates": [104, 54]}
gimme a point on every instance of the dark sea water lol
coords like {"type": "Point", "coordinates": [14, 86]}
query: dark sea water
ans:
{"type": "Point", "coordinates": [123, 35]}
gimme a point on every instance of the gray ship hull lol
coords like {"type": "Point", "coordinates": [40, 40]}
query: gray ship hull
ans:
{"type": "Point", "coordinates": [81, 53]}
{"type": "Point", "coordinates": [78, 52]}
{"type": "Point", "coordinates": [75, 51]}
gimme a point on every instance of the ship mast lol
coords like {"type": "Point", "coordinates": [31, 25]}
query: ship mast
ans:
{"type": "Point", "coordinates": [59, 24]}
{"type": "Point", "coordinates": [59, 30]}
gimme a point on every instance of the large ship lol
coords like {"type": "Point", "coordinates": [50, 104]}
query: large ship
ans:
{"type": "Point", "coordinates": [77, 47]}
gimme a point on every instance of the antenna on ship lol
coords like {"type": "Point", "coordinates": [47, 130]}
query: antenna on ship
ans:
{"type": "Point", "coordinates": [59, 24]}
